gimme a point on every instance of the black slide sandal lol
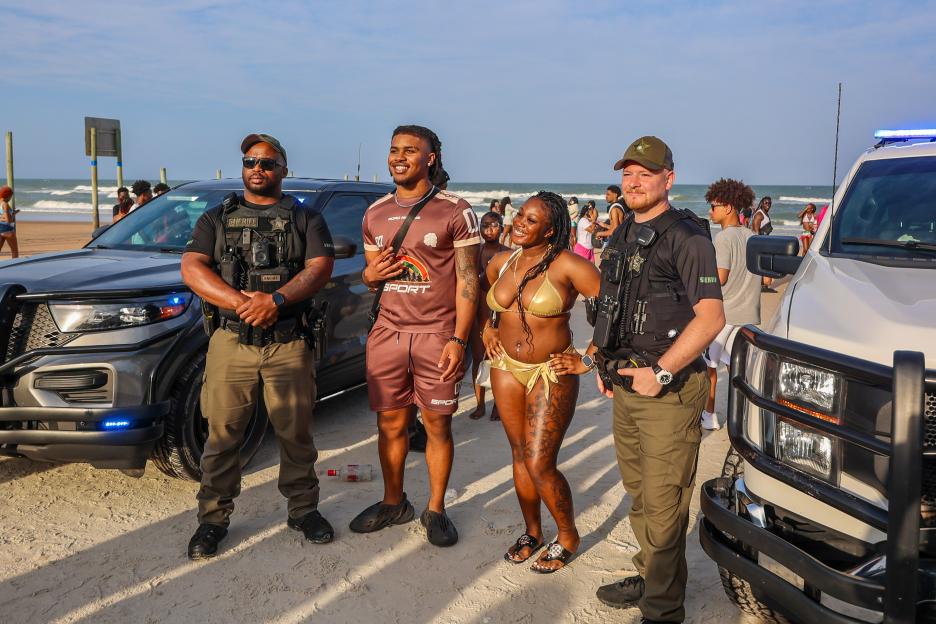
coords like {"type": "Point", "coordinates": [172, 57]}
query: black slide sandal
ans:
{"type": "Point", "coordinates": [524, 541]}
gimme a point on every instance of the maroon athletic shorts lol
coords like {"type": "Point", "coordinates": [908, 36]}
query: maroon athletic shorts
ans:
{"type": "Point", "coordinates": [402, 370]}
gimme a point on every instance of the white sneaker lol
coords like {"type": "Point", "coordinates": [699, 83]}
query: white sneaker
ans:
{"type": "Point", "coordinates": [710, 421]}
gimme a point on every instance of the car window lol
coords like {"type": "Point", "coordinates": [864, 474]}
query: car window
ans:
{"type": "Point", "coordinates": [344, 214]}
{"type": "Point", "coordinates": [166, 222]}
{"type": "Point", "coordinates": [889, 210]}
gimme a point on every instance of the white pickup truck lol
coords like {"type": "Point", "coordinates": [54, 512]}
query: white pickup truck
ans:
{"type": "Point", "coordinates": [826, 510]}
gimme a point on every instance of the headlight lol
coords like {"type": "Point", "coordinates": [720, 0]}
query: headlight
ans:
{"type": "Point", "coordinates": [801, 384]}
{"type": "Point", "coordinates": [805, 449]}
{"type": "Point", "coordinates": [101, 315]}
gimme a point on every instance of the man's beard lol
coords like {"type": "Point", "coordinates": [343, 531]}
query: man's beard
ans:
{"type": "Point", "coordinates": [643, 201]}
{"type": "Point", "coordinates": [269, 188]}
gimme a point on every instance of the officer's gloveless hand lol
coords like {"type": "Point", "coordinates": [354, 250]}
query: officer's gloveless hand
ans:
{"type": "Point", "coordinates": [259, 310]}
{"type": "Point", "coordinates": [644, 380]}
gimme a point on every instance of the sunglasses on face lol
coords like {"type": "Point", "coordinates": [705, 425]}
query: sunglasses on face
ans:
{"type": "Point", "coordinates": [266, 164]}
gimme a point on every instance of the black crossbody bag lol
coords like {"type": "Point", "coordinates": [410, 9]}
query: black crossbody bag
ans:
{"type": "Point", "coordinates": [395, 245]}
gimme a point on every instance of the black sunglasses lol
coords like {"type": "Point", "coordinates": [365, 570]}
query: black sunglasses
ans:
{"type": "Point", "coordinates": [266, 164]}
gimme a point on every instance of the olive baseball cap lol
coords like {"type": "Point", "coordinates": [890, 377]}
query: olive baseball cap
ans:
{"type": "Point", "coordinates": [252, 139]}
{"type": "Point", "coordinates": [648, 151]}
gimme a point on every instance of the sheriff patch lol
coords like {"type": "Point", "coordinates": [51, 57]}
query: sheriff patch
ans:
{"type": "Point", "coordinates": [243, 222]}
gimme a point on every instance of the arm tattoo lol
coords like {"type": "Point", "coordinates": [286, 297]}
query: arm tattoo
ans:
{"type": "Point", "coordinates": [466, 268]}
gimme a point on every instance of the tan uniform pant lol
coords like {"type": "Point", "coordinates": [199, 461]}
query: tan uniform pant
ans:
{"type": "Point", "coordinates": [657, 443]}
{"type": "Point", "coordinates": [233, 373]}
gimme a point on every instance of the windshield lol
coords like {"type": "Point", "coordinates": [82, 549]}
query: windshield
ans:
{"type": "Point", "coordinates": [889, 211]}
{"type": "Point", "coordinates": [165, 223]}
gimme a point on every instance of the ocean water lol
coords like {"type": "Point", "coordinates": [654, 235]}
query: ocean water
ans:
{"type": "Point", "coordinates": [70, 200]}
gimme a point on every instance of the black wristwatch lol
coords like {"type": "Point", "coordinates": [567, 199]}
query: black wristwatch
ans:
{"type": "Point", "coordinates": [279, 299]}
{"type": "Point", "coordinates": [663, 376]}
{"type": "Point", "coordinates": [588, 361]}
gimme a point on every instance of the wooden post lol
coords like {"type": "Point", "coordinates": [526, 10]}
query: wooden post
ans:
{"type": "Point", "coordinates": [346, 177]}
{"type": "Point", "coordinates": [9, 167]}
{"type": "Point", "coordinates": [119, 159]}
{"type": "Point", "coordinates": [162, 175]}
{"type": "Point", "coordinates": [375, 177]}
{"type": "Point", "coordinates": [218, 176]}
{"type": "Point", "coordinates": [95, 217]}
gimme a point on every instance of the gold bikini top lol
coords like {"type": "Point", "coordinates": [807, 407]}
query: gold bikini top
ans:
{"type": "Point", "coordinates": [546, 302]}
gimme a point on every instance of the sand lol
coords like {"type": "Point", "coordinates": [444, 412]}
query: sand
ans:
{"type": "Point", "coordinates": [85, 545]}
{"type": "Point", "coordinates": [41, 236]}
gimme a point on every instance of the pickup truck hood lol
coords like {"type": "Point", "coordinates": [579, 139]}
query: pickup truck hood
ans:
{"type": "Point", "coordinates": [864, 310]}
{"type": "Point", "coordinates": [93, 269]}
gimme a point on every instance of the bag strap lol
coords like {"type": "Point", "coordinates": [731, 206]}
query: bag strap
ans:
{"type": "Point", "coordinates": [398, 242]}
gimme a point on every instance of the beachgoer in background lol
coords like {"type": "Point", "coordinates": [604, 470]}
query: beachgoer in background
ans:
{"type": "Point", "coordinates": [740, 287]}
{"type": "Point", "coordinates": [496, 207]}
{"type": "Point", "coordinates": [745, 217]}
{"type": "Point", "coordinates": [123, 193]}
{"type": "Point", "coordinates": [535, 368]}
{"type": "Point", "coordinates": [810, 223]}
{"type": "Point", "coordinates": [492, 226]}
{"type": "Point", "coordinates": [616, 213]}
{"type": "Point", "coordinates": [143, 192]}
{"type": "Point", "coordinates": [123, 208]}
{"type": "Point", "coordinates": [573, 208]}
{"type": "Point", "coordinates": [821, 215]}
{"type": "Point", "coordinates": [596, 241]}
{"type": "Point", "coordinates": [8, 221]}
{"type": "Point", "coordinates": [761, 225]}
{"type": "Point", "coordinates": [583, 231]}
{"type": "Point", "coordinates": [760, 220]}
{"type": "Point", "coordinates": [509, 213]}
{"type": "Point", "coordinates": [160, 188]}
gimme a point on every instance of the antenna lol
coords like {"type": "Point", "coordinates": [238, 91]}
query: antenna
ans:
{"type": "Point", "coordinates": [838, 117]}
{"type": "Point", "coordinates": [357, 178]}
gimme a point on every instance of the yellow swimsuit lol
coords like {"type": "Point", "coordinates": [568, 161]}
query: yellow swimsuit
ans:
{"type": "Point", "coordinates": [545, 303]}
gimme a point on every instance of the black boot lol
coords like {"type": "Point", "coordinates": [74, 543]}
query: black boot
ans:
{"type": "Point", "coordinates": [314, 527]}
{"type": "Point", "coordinates": [622, 593]}
{"type": "Point", "coordinates": [204, 544]}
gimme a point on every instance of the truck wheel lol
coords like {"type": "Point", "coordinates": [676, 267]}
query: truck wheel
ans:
{"type": "Point", "coordinates": [178, 453]}
{"type": "Point", "coordinates": [737, 589]}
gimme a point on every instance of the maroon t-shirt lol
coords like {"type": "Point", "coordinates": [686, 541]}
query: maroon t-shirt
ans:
{"type": "Point", "coordinates": [422, 299]}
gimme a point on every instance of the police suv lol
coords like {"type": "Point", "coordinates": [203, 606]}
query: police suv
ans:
{"type": "Point", "coordinates": [105, 346]}
{"type": "Point", "coordinates": [826, 511]}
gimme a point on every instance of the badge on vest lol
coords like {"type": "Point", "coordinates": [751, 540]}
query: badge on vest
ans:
{"type": "Point", "coordinates": [636, 263]}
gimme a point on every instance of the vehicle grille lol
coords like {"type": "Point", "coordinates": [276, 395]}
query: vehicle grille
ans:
{"type": "Point", "coordinates": [929, 420]}
{"type": "Point", "coordinates": [34, 328]}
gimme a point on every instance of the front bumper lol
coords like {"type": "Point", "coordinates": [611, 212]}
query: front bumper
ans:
{"type": "Point", "coordinates": [893, 585]}
{"type": "Point", "coordinates": [78, 435]}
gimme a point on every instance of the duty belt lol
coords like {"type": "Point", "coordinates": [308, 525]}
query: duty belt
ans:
{"type": "Point", "coordinates": [283, 331]}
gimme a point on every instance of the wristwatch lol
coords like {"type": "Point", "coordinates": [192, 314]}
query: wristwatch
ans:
{"type": "Point", "coordinates": [663, 376]}
{"type": "Point", "coordinates": [588, 361]}
{"type": "Point", "coordinates": [279, 299]}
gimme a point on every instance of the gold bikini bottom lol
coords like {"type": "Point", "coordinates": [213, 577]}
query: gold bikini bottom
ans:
{"type": "Point", "coordinates": [527, 373]}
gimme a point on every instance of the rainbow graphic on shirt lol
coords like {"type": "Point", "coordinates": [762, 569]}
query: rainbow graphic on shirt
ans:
{"type": "Point", "coordinates": [413, 270]}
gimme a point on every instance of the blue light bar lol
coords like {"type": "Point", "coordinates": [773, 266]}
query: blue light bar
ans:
{"type": "Point", "coordinates": [176, 300]}
{"type": "Point", "coordinates": [115, 423]}
{"type": "Point", "coordinates": [906, 134]}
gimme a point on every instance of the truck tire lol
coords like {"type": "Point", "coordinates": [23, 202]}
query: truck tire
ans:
{"type": "Point", "coordinates": [738, 590]}
{"type": "Point", "coordinates": [178, 453]}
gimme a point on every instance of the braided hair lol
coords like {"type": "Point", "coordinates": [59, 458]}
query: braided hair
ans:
{"type": "Point", "coordinates": [561, 225]}
{"type": "Point", "coordinates": [435, 146]}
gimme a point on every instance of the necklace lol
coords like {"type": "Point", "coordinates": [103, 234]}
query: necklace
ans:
{"type": "Point", "coordinates": [397, 201]}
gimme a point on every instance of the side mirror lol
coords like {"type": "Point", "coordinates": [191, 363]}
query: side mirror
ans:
{"type": "Point", "coordinates": [773, 256]}
{"type": "Point", "coordinates": [344, 247]}
{"type": "Point", "coordinates": [98, 231]}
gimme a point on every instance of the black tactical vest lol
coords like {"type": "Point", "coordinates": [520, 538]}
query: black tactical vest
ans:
{"type": "Point", "coordinates": [635, 315]}
{"type": "Point", "coordinates": [257, 250]}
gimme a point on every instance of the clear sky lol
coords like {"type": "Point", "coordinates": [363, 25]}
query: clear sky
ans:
{"type": "Point", "coordinates": [522, 91]}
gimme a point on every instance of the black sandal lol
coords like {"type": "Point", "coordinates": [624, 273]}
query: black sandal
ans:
{"type": "Point", "coordinates": [524, 541]}
{"type": "Point", "coordinates": [554, 552]}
